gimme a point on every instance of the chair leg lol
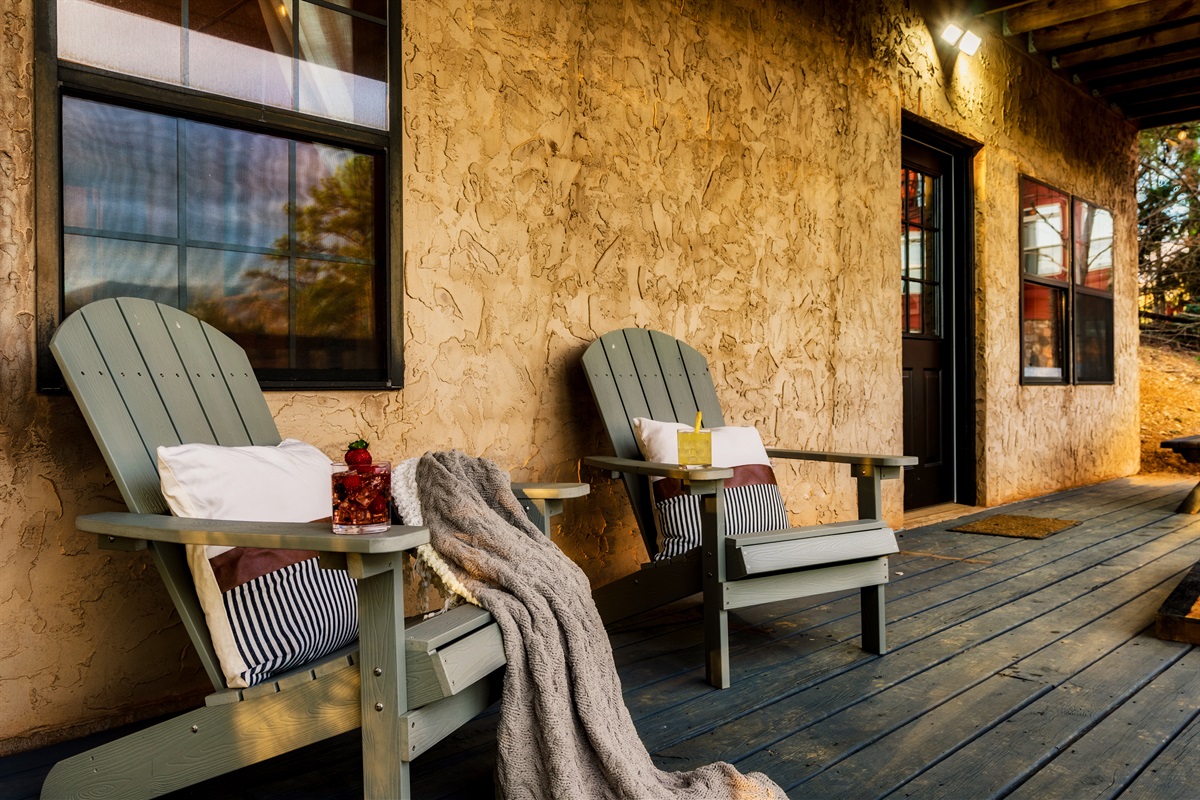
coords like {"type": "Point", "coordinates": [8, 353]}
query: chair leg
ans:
{"type": "Point", "coordinates": [716, 643]}
{"type": "Point", "coordinates": [874, 635]}
{"type": "Point", "coordinates": [384, 685]}
{"type": "Point", "coordinates": [716, 618]}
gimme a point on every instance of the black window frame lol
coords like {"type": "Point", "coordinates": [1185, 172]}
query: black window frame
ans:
{"type": "Point", "coordinates": [54, 79]}
{"type": "Point", "coordinates": [1072, 290]}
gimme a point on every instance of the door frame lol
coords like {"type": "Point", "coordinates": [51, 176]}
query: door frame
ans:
{"type": "Point", "coordinates": [959, 283]}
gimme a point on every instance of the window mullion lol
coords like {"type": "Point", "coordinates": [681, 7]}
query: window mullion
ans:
{"type": "Point", "coordinates": [181, 208]}
{"type": "Point", "coordinates": [293, 249]}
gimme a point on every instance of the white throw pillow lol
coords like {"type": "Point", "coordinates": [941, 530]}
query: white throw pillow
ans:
{"type": "Point", "coordinates": [752, 498]}
{"type": "Point", "coordinates": [267, 610]}
{"type": "Point", "coordinates": [732, 446]}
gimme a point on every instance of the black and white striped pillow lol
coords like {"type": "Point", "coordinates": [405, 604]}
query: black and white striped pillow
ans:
{"type": "Point", "coordinates": [290, 616]}
{"type": "Point", "coordinates": [752, 503]}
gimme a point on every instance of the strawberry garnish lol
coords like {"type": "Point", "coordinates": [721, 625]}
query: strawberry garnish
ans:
{"type": "Point", "coordinates": [358, 455]}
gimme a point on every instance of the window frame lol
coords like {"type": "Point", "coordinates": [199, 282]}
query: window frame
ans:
{"type": "Point", "coordinates": [53, 79]}
{"type": "Point", "coordinates": [1071, 290]}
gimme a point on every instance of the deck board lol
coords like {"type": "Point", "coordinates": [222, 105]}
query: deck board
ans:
{"type": "Point", "coordinates": [1019, 668]}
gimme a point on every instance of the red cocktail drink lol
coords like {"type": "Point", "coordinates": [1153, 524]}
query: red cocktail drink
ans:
{"type": "Point", "coordinates": [362, 498]}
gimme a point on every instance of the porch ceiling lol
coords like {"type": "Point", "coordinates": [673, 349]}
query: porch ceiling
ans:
{"type": "Point", "coordinates": [1140, 56]}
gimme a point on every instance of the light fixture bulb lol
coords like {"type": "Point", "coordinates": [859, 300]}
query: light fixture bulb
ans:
{"type": "Point", "coordinates": [952, 33]}
{"type": "Point", "coordinates": [969, 43]}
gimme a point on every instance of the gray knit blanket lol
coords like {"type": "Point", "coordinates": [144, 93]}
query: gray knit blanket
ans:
{"type": "Point", "coordinates": [564, 731]}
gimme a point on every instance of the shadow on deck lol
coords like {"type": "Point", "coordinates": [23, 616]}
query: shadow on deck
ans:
{"type": "Point", "coordinates": [1018, 668]}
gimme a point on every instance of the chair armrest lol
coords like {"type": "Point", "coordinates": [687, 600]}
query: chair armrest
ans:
{"type": "Point", "coordinates": [854, 459]}
{"type": "Point", "coordinates": [869, 470]}
{"type": "Point", "coordinates": [544, 501]}
{"type": "Point", "coordinates": [659, 470]}
{"type": "Point", "coordinates": [551, 491]}
{"type": "Point", "coordinates": [278, 535]}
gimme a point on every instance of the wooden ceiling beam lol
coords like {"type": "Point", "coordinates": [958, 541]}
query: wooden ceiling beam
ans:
{"type": "Point", "coordinates": [1124, 24]}
{"type": "Point", "coordinates": [1177, 117]}
{"type": "Point", "coordinates": [1163, 95]}
{"type": "Point", "coordinates": [1182, 34]}
{"type": "Point", "coordinates": [1048, 13]}
{"type": "Point", "coordinates": [1151, 107]}
{"type": "Point", "coordinates": [983, 8]}
{"type": "Point", "coordinates": [1138, 65]}
{"type": "Point", "coordinates": [1150, 81]}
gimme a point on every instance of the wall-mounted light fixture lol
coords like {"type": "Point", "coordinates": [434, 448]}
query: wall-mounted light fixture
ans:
{"type": "Point", "coordinates": [964, 40]}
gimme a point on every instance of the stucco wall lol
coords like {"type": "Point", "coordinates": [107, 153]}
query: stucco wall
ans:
{"type": "Point", "coordinates": [723, 171]}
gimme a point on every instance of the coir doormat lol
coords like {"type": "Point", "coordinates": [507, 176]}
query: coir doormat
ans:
{"type": "Point", "coordinates": [1018, 526]}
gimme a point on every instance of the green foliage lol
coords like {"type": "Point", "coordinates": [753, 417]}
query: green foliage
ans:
{"type": "Point", "coordinates": [1168, 186]}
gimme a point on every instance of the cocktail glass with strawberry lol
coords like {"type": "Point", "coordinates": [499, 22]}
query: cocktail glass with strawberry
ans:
{"type": "Point", "coordinates": [362, 492]}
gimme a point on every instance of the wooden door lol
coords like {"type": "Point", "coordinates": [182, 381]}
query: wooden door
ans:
{"type": "Point", "coordinates": [927, 256]}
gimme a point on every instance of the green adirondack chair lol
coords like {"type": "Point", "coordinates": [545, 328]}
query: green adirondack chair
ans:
{"type": "Point", "coordinates": [146, 375]}
{"type": "Point", "coordinates": [640, 373]}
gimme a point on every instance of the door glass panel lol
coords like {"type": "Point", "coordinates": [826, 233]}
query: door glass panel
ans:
{"type": "Point", "coordinates": [920, 253]}
{"type": "Point", "coordinates": [912, 196]}
{"type": "Point", "coordinates": [915, 257]}
{"type": "Point", "coordinates": [928, 200]}
{"type": "Point", "coordinates": [916, 307]}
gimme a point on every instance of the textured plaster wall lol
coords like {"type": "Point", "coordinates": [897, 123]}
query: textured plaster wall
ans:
{"type": "Point", "coordinates": [723, 171]}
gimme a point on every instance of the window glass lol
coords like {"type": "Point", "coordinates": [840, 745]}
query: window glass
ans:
{"type": "Point", "coordinates": [103, 268]}
{"type": "Point", "coordinates": [1042, 339]}
{"type": "Point", "coordinates": [237, 186]}
{"type": "Point", "coordinates": [251, 51]}
{"type": "Point", "coordinates": [1044, 219]}
{"type": "Point", "coordinates": [1093, 246]}
{"type": "Point", "coordinates": [333, 324]}
{"type": "Point", "coordinates": [343, 66]}
{"type": "Point", "coordinates": [1093, 338]}
{"type": "Point", "coordinates": [97, 33]}
{"type": "Point", "coordinates": [242, 50]}
{"type": "Point", "coordinates": [275, 245]}
{"type": "Point", "coordinates": [111, 186]}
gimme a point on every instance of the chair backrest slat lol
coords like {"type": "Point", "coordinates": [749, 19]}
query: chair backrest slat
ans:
{"type": "Point", "coordinates": [204, 380]}
{"type": "Point", "coordinates": [172, 385]}
{"type": "Point", "coordinates": [120, 436]}
{"type": "Point", "coordinates": [649, 375]}
{"type": "Point", "coordinates": [234, 368]}
{"type": "Point", "coordinates": [704, 393]}
{"type": "Point", "coordinates": [639, 373]}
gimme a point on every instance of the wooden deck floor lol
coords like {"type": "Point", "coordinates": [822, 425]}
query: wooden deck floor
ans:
{"type": "Point", "coordinates": [1018, 668]}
